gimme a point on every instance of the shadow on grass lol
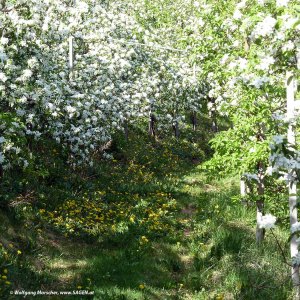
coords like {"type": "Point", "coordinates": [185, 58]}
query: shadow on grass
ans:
{"type": "Point", "coordinates": [234, 265]}
{"type": "Point", "coordinates": [129, 274]}
{"type": "Point", "coordinates": [240, 268]}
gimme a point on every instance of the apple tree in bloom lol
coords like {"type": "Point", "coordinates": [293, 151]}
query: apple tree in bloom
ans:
{"type": "Point", "coordinates": [261, 48]}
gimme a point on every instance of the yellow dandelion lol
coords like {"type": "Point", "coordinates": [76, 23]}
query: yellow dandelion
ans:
{"type": "Point", "coordinates": [141, 286]}
{"type": "Point", "coordinates": [144, 240]}
{"type": "Point", "coordinates": [4, 277]}
{"type": "Point", "coordinates": [5, 271]}
{"type": "Point", "coordinates": [7, 282]}
{"type": "Point", "coordinates": [19, 252]}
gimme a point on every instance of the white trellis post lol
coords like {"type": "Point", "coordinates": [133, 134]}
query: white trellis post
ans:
{"type": "Point", "coordinates": [243, 189]}
{"type": "Point", "coordinates": [290, 96]}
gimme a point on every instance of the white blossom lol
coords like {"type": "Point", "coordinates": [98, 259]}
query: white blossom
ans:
{"type": "Point", "coordinates": [250, 176]}
{"type": "Point", "coordinates": [278, 116]}
{"type": "Point", "coordinates": [241, 4]}
{"type": "Point", "coordinates": [266, 62]}
{"type": "Point", "coordinates": [264, 28]}
{"type": "Point", "coordinates": [281, 3]}
{"type": "Point", "coordinates": [270, 170]}
{"type": "Point", "coordinates": [237, 15]}
{"type": "Point", "coordinates": [288, 46]}
{"type": "Point", "coordinates": [201, 22]}
{"type": "Point", "coordinates": [3, 77]}
{"type": "Point", "coordinates": [296, 259]}
{"type": "Point", "coordinates": [26, 75]}
{"type": "Point", "coordinates": [26, 163]}
{"type": "Point", "coordinates": [3, 55]}
{"type": "Point", "coordinates": [259, 82]}
{"type": "Point", "coordinates": [267, 221]}
{"type": "Point", "coordinates": [242, 62]}
{"type": "Point", "coordinates": [278, 139]}
{"type": "Point", "coordinates": [4, 40]}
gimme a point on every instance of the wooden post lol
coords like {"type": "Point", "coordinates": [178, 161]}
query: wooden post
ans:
{"type": "Point", "coordinates": [292, 187]}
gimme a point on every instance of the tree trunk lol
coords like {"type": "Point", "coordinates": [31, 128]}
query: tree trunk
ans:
{"type": "Point", "coordinates": [176, 129]}
{"type": "Point", "coordinates": [194, 120]}
{"type": "Point", "coordinates": [215, 125]}
{"type": "Point", "coordinates": [290, 95]}
{"type": "Point", "coordinates": [151, 125]}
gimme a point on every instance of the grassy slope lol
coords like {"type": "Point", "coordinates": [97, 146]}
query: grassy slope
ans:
{"type": "Point", "coordinates": [210, 254]}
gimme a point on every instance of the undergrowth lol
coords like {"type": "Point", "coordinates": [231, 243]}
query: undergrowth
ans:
{"type": "Point", "coordinates": [144, 225]}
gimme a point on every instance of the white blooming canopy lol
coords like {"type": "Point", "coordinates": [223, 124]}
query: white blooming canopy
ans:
{"type": "Point", "coordinates": [118, 76]}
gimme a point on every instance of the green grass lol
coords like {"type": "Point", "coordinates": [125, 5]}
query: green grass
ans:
{"type": "Point", "coordinates": [208, 252]}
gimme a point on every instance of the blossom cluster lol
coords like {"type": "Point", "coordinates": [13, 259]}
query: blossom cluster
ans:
{"type": "Point", "coordinates": [267, 221]}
